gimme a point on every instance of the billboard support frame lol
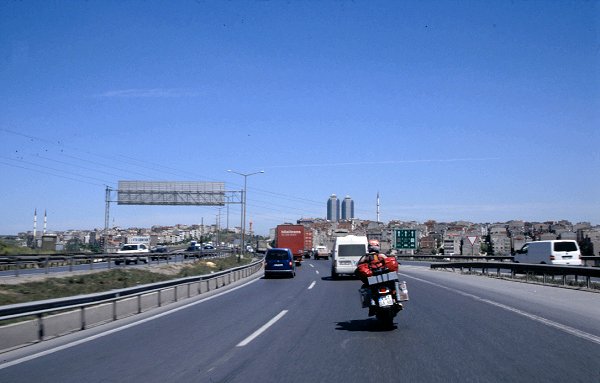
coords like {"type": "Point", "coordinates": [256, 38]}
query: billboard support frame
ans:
{"type": "Point", "coordinates": [161, 193]}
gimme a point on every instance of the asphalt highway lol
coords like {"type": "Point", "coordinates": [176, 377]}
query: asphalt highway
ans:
{"type": "Point", "coordinates": [455, 328]}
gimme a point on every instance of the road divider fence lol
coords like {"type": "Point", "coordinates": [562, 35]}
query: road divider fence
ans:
{"type": "Point", "coordinates": [16, 264]}
{"type": "Point", "coordinates": [587, 277]}
{"type": "Point", "coordinates": [32, 322]}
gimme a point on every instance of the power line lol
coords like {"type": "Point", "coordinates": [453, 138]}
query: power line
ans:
{"type": "Point", "coordinates": [54, 175]}
{"type": "Point", "coordinates": [159, 168]}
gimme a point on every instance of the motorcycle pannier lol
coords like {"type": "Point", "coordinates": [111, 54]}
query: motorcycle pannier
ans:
{"type": "Point", "coordinates": [391, 263]}
{"type": "Point", "coordinates": [364, 271]}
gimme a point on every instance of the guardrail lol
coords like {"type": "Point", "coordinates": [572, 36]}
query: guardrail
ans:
{"type": "Point", "coordinates": [56, 317]}
{"type": "Point", "coordinates": [528, 270]}
{"type": "Point", "coordinates": [456, 257]}
{"type": "Point", "coordinates": [587, 260]}
{"type": "Point", "coordinates": [17, 263]}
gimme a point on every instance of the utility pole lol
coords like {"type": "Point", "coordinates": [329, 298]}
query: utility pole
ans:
{"type": "Point", "coordinates": [106, 220]}
{"type": "Point", "coordinates": [245, 175]}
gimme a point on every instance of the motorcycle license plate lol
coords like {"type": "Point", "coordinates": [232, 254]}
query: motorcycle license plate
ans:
{"type": "Point", "coordinates": [386, 301]}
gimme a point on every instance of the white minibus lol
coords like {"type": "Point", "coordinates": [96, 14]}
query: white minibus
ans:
{"type": "Point", "coordinates": [347, 251]}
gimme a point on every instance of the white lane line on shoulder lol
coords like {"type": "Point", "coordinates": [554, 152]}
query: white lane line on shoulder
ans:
{"type": "Point", "coordinates": [568, 329]}
{"type": "Point", "coordinates": [264, 328]}
{"type": "Point", "coordinates": [109, 332]}
{"type": "Point", "coordinates": [312, 285]}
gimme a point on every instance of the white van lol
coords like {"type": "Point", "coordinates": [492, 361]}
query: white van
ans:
{"type": "Point", "coordinates": [555, 252]}
{"type": "Point", "coordinates": [346, 253]}
{"type": "Point", "coordinates": [132, 253]}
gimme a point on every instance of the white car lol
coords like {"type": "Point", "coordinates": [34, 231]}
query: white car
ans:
{"type": "Point", "coordinates": [132, 253]}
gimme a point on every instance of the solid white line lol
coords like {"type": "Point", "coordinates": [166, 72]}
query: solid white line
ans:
{"type": "Point", "coordinates": [568, 329]}
{"type": "Point", "coordinates": [115, 330]}
{"type": "Point", "coordinates": [262, 329]}
{"type": "Point", "coordinates": [312, 285]}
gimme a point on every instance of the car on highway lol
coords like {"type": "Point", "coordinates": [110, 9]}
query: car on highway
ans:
{"type": "Point", "coordinates": [347, 251]}
{"type": "Point", "coordinates": [159, 252]}
{"type": "Point", "coordinates": [279, 261]}
{"type": "Point", "coordinates": [132, 253]}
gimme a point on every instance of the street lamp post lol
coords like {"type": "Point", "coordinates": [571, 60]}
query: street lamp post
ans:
{"type": "Point", "coordinates": [245, 175]}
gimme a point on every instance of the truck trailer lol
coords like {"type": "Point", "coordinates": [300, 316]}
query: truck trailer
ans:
{"type": "Point", "coordinates": [297, 238]}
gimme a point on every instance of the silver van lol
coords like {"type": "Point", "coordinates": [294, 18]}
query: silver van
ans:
{"type": "Point", "coordinates": [555, 252]}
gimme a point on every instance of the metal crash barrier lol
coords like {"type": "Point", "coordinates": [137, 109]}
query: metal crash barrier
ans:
{"type": "Point", "coordinates": [37, 321]}
{"type": "Point", "coordinates": [568, 274]}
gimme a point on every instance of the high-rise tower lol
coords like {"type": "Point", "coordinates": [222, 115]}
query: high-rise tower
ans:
{"type": "Point", "coordinates": [333, 208]}
{"type": "Point", "coordinates": [347, 208]}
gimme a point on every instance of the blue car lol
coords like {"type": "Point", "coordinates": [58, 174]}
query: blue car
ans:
{"type": "Point", "coordinates": [279, 262]}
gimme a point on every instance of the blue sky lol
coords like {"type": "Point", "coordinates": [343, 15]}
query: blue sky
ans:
{"type": "Point", "coordinates": [471, 110]}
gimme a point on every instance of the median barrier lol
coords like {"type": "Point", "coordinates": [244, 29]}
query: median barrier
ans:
{"type": "Point", "coordinates": [569, 275]}
{"type": "Point", "coordinates": [56, 317]}
{"type": "Point", "coordinates": [17, 263]}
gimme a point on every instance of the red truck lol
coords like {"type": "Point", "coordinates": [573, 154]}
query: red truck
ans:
{"type": "Point", "coordinates": [297, 238]}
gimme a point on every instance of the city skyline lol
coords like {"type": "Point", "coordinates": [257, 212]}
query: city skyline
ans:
{"type": "Point", "coordinates": [451, 111]}
{"type": "Point", "coordinates": [430, 236]}
{"type": "Point", "coordinates": [234, 227]}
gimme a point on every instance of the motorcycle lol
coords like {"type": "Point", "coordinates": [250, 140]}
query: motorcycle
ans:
{"type": "Point", "coordinates": [383, 293]}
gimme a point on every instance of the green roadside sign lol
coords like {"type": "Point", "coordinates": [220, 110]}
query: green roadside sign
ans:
{"type": "Point", "coordinates": [405, 239]}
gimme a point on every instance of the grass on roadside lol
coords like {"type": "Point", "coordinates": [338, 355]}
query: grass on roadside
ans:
{"type": "Point", "coordinates": [50, 288]}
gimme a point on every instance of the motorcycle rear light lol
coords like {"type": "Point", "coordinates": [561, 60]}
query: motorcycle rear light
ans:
{"type": "Point", "coordinates": [384, 290]}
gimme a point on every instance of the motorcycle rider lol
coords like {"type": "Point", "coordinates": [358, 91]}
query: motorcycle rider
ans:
{"type": "Point", "coordinates": [372, 257]}
{"type": "Point", "coordinates": [372, 254]}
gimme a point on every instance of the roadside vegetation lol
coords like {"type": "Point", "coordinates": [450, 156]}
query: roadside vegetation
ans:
{"type": "Point", "coordinates": [8, 247]}
{"type": "Point", "coordinates": [50, 288]}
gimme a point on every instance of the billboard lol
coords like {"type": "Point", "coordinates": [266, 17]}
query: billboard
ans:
{"type": "Point", "coordinates": [171, 193]}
